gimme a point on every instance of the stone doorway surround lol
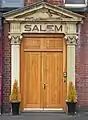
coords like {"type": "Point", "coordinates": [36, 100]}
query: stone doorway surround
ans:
{"type": "Point", "coordinates": [42, 18]}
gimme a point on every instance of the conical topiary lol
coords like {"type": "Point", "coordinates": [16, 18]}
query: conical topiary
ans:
{"type": "Point", "coordinates": [72, 94]}
{"type": "Point", "coordinates": [15, 94]}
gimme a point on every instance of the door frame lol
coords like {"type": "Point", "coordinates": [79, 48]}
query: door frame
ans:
{"type": "Point", "coordinates": [64, 67]}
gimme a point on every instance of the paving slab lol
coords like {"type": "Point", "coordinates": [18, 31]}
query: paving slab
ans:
{"type": "Point", "coordinates": [44, 116]}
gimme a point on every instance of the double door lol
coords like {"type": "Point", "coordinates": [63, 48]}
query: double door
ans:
{"type": "Point", "coordinates": [42, 83]}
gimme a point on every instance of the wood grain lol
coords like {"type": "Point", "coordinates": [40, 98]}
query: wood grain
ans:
{"type": "Point", "coordinates": [43, 61]}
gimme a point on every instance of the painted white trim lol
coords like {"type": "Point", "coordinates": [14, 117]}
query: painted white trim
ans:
{"type": "Point", "coordinates": [27, 109]}
{"type": "Point", "coordinates": [45, 109]}
{"type": "Point", "coordinates": [71, 42]}
{"type": "Point", "coordinates": [76, 5]}
{"type": "Point", "coordinates": [71, 63]}
{"type": "Point", "coordinates": [56, 109]}
{"type": "Point", "coordinates": [15, 63]}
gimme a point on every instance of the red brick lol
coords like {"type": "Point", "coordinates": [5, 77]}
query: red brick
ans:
{"type": "Point", "coordinates": [6, 68]}
{"type": "Point", "coordinates": [82, 64]}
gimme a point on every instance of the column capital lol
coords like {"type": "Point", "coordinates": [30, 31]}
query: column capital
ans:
{"type": "Point", "coordinates": [15, 38]}
{"type": "Point", "coordinates": [71, 39]}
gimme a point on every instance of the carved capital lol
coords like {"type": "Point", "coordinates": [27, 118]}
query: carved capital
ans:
{"type": "Point", "coordinates": [71, 39]}
{"type": "Point", "coordinates": [15, 39]}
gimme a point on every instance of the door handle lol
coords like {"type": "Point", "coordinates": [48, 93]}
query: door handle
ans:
{"type": "Point", "coordinates": [65, 81]}
{"type": "Point", "coordinates": [44, 85]}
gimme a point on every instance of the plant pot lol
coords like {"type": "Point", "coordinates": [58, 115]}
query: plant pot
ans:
{"type": "Point", "coordinates": [15, 108]}
{"type": "Point", "coordinates": [71, 108]}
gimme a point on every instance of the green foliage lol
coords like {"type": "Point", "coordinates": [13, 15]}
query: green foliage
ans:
{"type": "Point", "coordinates": [72, 94]}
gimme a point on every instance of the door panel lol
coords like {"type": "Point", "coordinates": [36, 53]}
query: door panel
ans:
{"type": "Point", "coordinates": [53, 79]}
{"type": "Point", "coordinates": [42, 62]}
{"type": "Point", "coordinates": [32, 80]}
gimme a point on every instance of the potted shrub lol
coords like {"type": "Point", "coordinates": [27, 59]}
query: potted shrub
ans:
{"type": "Point", "coordinates": [15, 98]}
{"type": "Point", "coordinates": [71, 99]}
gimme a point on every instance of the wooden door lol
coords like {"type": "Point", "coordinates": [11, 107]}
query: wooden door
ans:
{"type": "Point", "coordinates": [32, 79]}
{"type": "Point", "coordinates": [53, 79]}
{"type": "Point", "coordinates": [43, 62]}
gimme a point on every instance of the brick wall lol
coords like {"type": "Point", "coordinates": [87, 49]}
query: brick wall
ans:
{"type": "Point", "coordinates": [27, 2]}
{"type": "Point", "coordinates": [6, 69]}
{"type": "Point", "coordinates": [0, 63]}
{"type": "Point", "coordinates": [55, 2]}
{"type": "Point", "coordinates": [82, 64]}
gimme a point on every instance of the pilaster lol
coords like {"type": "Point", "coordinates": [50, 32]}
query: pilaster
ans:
{"type": "Point", "coordinates": [71, 42]}
{"type": "Point", "coordinates": [15, 57]}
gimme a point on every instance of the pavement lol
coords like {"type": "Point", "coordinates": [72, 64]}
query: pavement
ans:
{"type": "Point", "coordinates": [44, 116]}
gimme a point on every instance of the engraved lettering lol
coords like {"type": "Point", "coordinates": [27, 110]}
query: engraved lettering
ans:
{"type": "Point", "coordinates": [58, 28]}
{"type": "Point", "coordinates": [42, 28]}
{"type": "Point", "coordinates": [35, 28]}
{"type": "Point", "coordinates": [50, 27]}
{"type": "Point", "coordinates": [27, 27]}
